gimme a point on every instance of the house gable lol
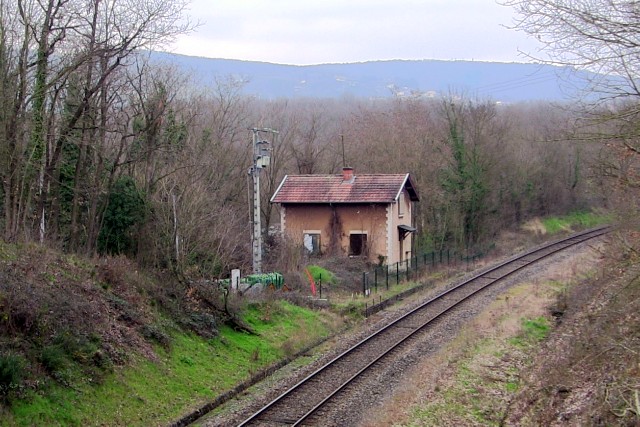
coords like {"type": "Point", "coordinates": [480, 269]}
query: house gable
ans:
{"type": "Point", "coordinates": [348, 211]}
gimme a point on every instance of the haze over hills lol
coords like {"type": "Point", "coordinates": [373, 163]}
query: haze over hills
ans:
{"type": "Point", "coordinates": [505, 82]}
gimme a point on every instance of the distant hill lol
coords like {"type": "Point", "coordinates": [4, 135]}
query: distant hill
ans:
{"type": "Point", "coordinates": [506, 82]}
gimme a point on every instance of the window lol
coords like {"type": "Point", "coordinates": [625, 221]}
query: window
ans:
{"type": "Point", "coordinates": [357, 244]}
{"type": "Point", "coordinates": [311, 242]}
{"type": "Point", "coordinates": [401, 205]}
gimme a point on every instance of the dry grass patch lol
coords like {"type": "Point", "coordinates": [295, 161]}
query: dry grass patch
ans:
{"type": "Point", "coordinates": [535, 226]}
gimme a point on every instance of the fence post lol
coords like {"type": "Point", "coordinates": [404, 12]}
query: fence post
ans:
{"type": "Point", "coordinates": [375, 278]}
{"type": "Point", "coordinates": [387, 277]}
{"type": "Point", "coordinates": [364, 283]}
{"type": "Point", "coordinates": [320, 285]}
{"type": "Point", "coordinates": [397, 272]}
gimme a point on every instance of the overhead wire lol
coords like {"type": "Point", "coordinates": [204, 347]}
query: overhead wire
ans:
{"type": "Point", "coordinates": [517, 83]}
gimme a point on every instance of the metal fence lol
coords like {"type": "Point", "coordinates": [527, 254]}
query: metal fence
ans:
{"type": "Point", "coordinates": [384, 276]}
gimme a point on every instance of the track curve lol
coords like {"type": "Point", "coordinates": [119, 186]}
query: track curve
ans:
{"type": "Point", "coordinates": [304, 401]}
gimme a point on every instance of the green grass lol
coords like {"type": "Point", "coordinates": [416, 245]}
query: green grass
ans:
{"type": "Point", "coordinates": [8, 252]}
{"type": "Point", "coordinates": [193, 371]}
{"type": "Point", "coordinates": [394, 289]}
{"type": "Point", "coordinates": [533, 331]}
{"type": "Point", "coordinates": [512, 386]}
{"type": "Point", "coordinates": [554, 225]}
{"type": "Point", "coordinates": [318, 273]}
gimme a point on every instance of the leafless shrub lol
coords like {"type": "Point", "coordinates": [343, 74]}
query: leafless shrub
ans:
{"type": "Point", "coordinates": [283, 255]}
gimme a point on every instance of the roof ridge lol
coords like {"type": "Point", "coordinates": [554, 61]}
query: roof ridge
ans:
{"type": "Point", "coordinates": [329, 188]}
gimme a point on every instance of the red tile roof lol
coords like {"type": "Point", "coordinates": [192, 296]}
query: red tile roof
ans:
{"type": "Point", "coordinates": [363, 188]}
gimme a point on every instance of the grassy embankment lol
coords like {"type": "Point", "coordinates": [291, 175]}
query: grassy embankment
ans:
{"type": "Point", "coordinates": [95, 344]}
{"type": "Point", "coordinates": [192, 372]}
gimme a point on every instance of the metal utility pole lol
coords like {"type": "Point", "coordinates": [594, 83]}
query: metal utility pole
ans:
{"type": "Point", "coordinates": [261, 159]}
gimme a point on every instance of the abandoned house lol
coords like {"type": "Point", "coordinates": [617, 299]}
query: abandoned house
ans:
{"type": "Point", "coordinates": [368, 215]}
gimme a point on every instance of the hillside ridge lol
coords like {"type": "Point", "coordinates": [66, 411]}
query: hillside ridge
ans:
{"type": "Point", "coordinates": [500, 81]}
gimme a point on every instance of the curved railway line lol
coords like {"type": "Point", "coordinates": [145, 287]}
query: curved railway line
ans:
{"type": "Point", "coordinates": [304, 403]}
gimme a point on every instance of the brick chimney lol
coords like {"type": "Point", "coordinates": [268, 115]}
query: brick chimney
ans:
{"type": "Point", "coordinates": [347, 174]}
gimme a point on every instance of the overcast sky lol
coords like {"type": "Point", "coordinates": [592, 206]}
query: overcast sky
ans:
{"type": "Point", "coordinates": [334, 31]}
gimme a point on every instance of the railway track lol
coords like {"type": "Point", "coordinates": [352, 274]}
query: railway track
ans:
{"type": "Point", "coordinates": [304, 403]}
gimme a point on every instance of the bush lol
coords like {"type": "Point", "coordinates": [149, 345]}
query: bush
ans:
{"type": "Point", "coordinates": [79, 348]}
{"type": "Point", "coordinates": [12, 370]}
{"type": "Point", "coordinates": [53, 358]}
{"type": "Point", "coordinates": [155, 334]}
{"type": "Point", "coordinates": [202, 323]}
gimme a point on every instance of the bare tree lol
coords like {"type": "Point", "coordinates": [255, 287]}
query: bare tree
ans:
{"type": "Point", "coordinates": [198, 221]}
{"type": "Point", "coordinates": [602, 36]}
{"type": "Point", "coordinates": [69, 53]}
{"type": "Point", "coordinates": [14, 50]}
{"type": "Point", "coordinates": [309, 124]}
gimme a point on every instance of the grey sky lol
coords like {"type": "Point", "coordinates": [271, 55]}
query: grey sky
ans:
{"type": "Point", "coordinates": [324, 31]}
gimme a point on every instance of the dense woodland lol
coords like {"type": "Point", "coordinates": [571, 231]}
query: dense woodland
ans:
{"type": "Point", "coordinates": [104, 152]}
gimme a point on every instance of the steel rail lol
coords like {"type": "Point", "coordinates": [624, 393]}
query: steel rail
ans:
{"type": "Point", "coordinates": [569, 241]}
{"type": "Point", "coordinates": [437, 316]}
